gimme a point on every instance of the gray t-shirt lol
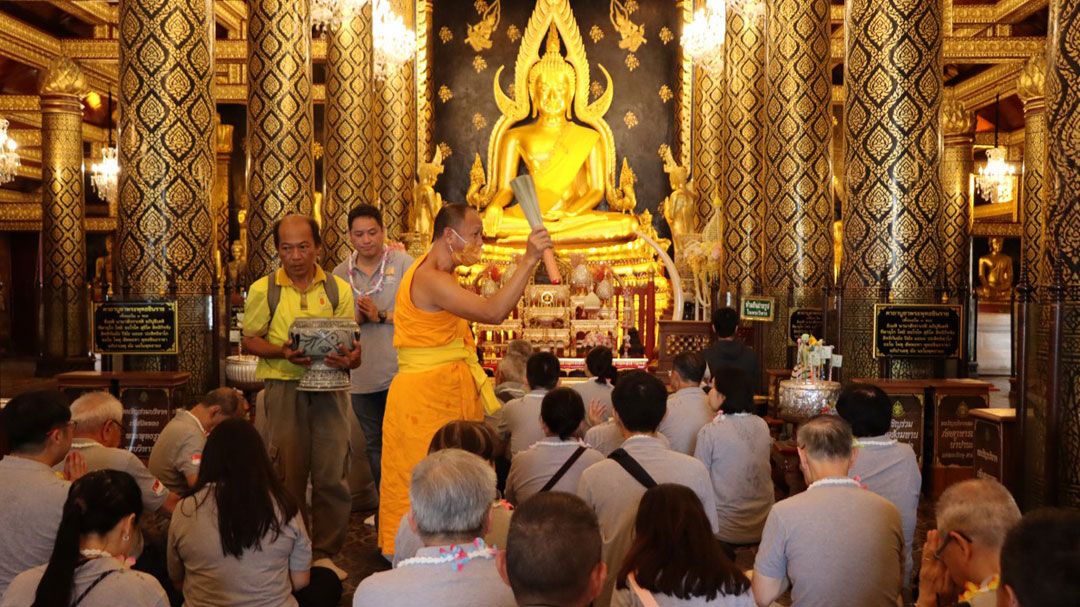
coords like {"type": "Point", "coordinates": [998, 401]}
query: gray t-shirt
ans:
{"type": "Point", "coordinates": [178, 451]}
{"type": "Point", "coordinates": [888, 468]}
{"type": "Point", "coordinates": [840, 546]}
{"type": "Point", "coordinates": [687, 412]}
{"type": "Point", "coordinates": [376, 339]}
{"type": "Point", "coordinates": [534, 467]}
{"type": "Point", "coordinates": [520, 420]}
{"type": "Point", "coordinates": [260, 578]}
{"type": "Point", "coordinates": [475, 584]}
{"type": "Point", "coordinates": [100, 457]}
{"type": "Point", "coordinates": [124, 587]}
{"type": "Point", "coordinates": [31, 504]}
{"type": "Point", "coordinates": [607, 437]}
{"type": "Point", "coordinates": [615, 495]}
{"type": "Point", "coordinates": [407, 542]}
{"type": "Point", "coordinates": [590, 390]}
{"type": "Point", "coordinates": [736, 450]}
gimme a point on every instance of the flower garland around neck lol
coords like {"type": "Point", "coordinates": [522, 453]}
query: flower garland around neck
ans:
{"type": "Point", "coordinates": [720, 415]}
{"type": "Point", "coordinates": [94, 553]}
{"type": "Point", "coordinates": [859, 442]}
{"type": "Point", "coordinates": [454, 555]}
{"type": "Point", "coordinates": [381, 273]}
{"type": "Point", "coordinates": [824, 482]}
{"type": "Point", "coordinates": [971, 590]}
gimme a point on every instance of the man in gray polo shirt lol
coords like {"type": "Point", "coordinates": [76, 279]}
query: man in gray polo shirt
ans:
{"type": "Point", "coordinates": [614, 492]}
{"type": "Point", "coordinates": [519, 419]}
{"type": "Point", "coordinates": [687, 409]}
{"type": "Point", "coordinates": [451, 493]}
{"type": "Point", "coordinates": [176, 455]}
{"type": "Point", "coordinates": [838, 544]}
{"type": "Point", "coordinates": [39, 432]}
{"type": "Point", "coordinates": [884, 465]}
{"type": "Point", "coordinates": [99, 429]}
{"type": "Point", "coordinates": [374, 271]}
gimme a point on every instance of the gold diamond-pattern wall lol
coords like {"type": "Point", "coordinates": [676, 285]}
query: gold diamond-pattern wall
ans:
{"type": "Point", "coordinates": [394, 142]}
{"type": "Point", "coordinates": [892, 82]}
{"type": "Point", "coordinates": [167, 168]}
{"type": "Point", "coordinates": [957, 164]}
{"type": "Point", "coordinates": [744, 140]}
{"type": "Point", "coordinates": [348, 164]}
{"type": "Point", "coordinates": [1031, 87]}
{"type": "Point", "coordinates": [798, 217]}
{"type": "Point", "coordinates": [708, 145]}
{"type": "Point", "coordinates": [62, 233]}
{"type": "Point", "coordinates": [1063, 236]}
{"type": "Point", "coordinates": [279, 123]}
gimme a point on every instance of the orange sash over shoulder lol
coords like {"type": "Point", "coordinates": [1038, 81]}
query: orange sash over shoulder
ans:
{"type": "Point", "coordinates": [437, 383]}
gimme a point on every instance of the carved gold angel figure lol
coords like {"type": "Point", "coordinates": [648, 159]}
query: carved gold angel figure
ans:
{"type": "Point", "coordinates": [475, 194]}
{"type": "Point", "coordinates": [680, 207]}
{"type": "Point", "coordinates": [426, 201]}
{"type": "Point", "coordinates": [567, 161]}
{"type": "Point", "coordinates": [632, 34]}
{"type": "Point", "coordinates": [478, 35]}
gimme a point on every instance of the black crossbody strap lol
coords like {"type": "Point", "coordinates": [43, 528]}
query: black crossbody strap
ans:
{"type": "Point", "coordinates": [632, 467]}
{"type": "Point", "coordinates": [92, 586]}
{"type": "Point", "coordinates": [561, 472]}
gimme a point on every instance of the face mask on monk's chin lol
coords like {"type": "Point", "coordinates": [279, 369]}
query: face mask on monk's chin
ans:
{"type": "Point", "coordinates": [470, 253]}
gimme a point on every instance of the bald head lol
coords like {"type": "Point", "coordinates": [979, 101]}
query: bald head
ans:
{"type": "Point", "coordinates": [296, 228]}
{"type": "Point", "coordinates": [452, 216]}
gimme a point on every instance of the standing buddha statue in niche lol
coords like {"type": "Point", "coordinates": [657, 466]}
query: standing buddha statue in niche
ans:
{"type": "Point", "coordinates": [426, 201]}
{"type": "Point", "coordinates": [995, 273]}
{"type": "Point", "coordinates": [566, 160]}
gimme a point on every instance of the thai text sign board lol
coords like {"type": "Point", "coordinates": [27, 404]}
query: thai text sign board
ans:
{"type": "Point", "coordinates": [805, 321]}
{"type": "Point", "coordinates": [955, 429]}
{"type": "Point", "coordinates": [989, 449]}
{"type": "Point", "coordinates": [907, 421]}
{"type": "Point", "coordinates": [918, 331]}
{"type": "Point", "coordinates": [758, 309]}
{"type": "Point", "coordinates": [135, 327]}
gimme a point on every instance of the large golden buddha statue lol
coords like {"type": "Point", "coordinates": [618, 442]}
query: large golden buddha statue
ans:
{"type": "Point", "coordinates": [572, 163]}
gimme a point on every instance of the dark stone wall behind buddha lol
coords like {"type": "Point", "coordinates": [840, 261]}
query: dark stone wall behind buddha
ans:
{"type": "Point", "coordinates": [636, 91]}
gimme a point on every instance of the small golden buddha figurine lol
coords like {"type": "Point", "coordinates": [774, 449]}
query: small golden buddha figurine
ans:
{"type": "Point", "coordinates": [566, 160]}
{"type": "Point", "coordinates": [995, 273]}
{"type": "Point", "coordinates": [103, 269]}
{"type": "Point", "coordinates": [680, 207]}
{"type": "Point", "coordinates": [475, 194]}
{"type": "Point", "coordinates": [241, 218]}
{"type": "Point", "coordinates": [426, 201]}
{"type": "Point", "coordinates": [237, 266]}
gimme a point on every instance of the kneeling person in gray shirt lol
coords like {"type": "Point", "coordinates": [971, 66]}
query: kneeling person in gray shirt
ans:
{"type": "Point", "coordinates": [177, 453]}
{"type": "Point", "coordinates": [839, 544]}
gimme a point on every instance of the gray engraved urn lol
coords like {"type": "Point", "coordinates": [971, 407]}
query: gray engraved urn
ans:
{"type": "Point", "coordinates": [318, 337]}
{"type": "Point", "coordinates": [802, 399]}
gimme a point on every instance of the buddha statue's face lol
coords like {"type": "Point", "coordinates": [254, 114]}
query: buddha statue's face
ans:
{"type": "Point", "coordinates": [996, 244]}
{"type": "Point", "coordinates": [553, 93]}
{"type": "Point", "coordinates": [235, 249]}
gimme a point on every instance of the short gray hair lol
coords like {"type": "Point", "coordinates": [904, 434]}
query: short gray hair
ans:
{"type": "Point", "coordinates": [826, 437]}
{"type": "Point", "coordinates": [451, 493]}
{"type": "Point", "coordinates": [512, 368]}
{"type": "Point", "coordinates": [93, 410]}
{"type": "Point", "coordinates": [981, 508]}
{"type": "Point", "coordinates": [519, 347]}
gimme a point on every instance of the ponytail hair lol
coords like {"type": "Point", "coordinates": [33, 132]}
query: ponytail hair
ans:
{"type": "Point", "coordinates": [599, 362]}
{"type": "Point", "coordinates": [96, 503]}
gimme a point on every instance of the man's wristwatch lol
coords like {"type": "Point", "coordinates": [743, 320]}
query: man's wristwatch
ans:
{"type": "Point", "coordinates": [382, 317]}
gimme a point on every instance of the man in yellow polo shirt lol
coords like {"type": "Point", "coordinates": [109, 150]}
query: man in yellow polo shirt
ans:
{"type": "Point", "coordinates": [307, 433]}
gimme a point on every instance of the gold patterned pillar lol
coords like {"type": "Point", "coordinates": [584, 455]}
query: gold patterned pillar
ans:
{"type": "Point", "coordinates": [62, 233]}
{"type": "Point", "coordinates": [223, 147]}
{"type": "Point", "coordinates": [708, 142]}
{"type": "Point", "coordinates": [892, 82]}
{"type": "Point", "coordinates": [799, 212]}
{"type": "Point", "coordinates": [1031, 87]}
{"type": "Point", "coordinates": [744, 148]}
{"type": "Point", "coordinates": [394, 138]}
{"type": "Point", "coordinates": [958, 162]}
{"type": "Point", "coordinates": [1055, 394]}
{"type": "Point", "coordinates": [167, 170]}
{"type": "Point", "coordinates": [349, 160]}
{"type": "Point", "coordinates": [279, 123]}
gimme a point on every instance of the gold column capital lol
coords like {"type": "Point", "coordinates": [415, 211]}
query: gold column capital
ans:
{"type": "Point", "coordinates": [63, 77]}
{"type": "Point", "coordinates": [955, 119]}
{"type": "Point", "coordinates": [1031, 84]}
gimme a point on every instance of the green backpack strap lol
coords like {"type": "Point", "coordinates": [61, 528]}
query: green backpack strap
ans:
{"type": "Point", "coordinates": [273, 296]}
{"type": "Point", "coordinates": [331, 287]}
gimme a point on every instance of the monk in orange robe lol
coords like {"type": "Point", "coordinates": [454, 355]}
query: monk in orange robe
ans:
{"type": "Point", "coordinates": [439, 378]}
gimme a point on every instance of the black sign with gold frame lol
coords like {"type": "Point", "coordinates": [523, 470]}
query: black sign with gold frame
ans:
{"type": "Point", "coordinates": [918, 331]}
{"type": "Point", "coordinates": [810, 321]}
{"type": "Point", "coordinates": [134, 327]}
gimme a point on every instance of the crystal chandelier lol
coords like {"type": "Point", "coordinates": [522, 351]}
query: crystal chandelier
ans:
{"type": "Point", "coordinates": [995, 180]}
{"type": "Point", "coordinates": [105, 175]}
{"type": "Point", "coordinates": [394, 43]}
{"type": "Point", "coordinates": [329, 14]}
{"type": "Point", "coordinates": [9, 160]}
{"type": "Point", "coordinates": [703, 37]}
